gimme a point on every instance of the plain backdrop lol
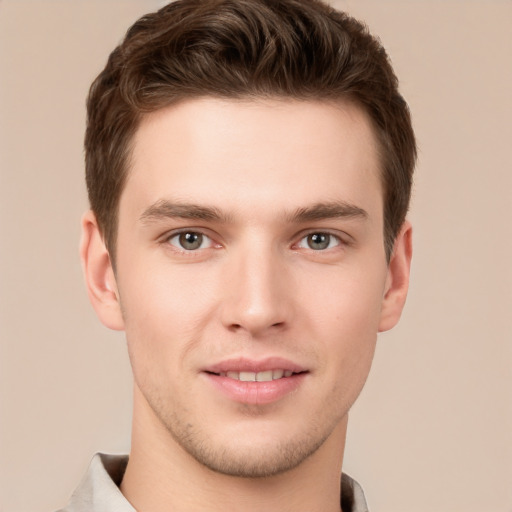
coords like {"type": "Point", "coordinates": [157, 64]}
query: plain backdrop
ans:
{"type": "Point", "coordinates": [432, 431]}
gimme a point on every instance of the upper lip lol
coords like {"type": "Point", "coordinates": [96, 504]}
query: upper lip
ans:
{"type": "Point", "coordinates": [242, 364]}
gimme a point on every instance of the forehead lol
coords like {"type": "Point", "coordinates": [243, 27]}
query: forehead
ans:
{"type": "Point", "coordinates": [233, 153]}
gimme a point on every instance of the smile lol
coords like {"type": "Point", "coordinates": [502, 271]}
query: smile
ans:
{"type": "Point", "coordinates": [264, 376]}
{"type": "Point", "coordinates": [257, 382]}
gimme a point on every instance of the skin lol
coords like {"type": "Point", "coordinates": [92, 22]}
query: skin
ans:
{"type": "Point", "coordinates": [261, 182]}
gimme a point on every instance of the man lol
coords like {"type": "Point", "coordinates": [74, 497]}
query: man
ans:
{"type": "Point", "coordinates": [249, 166]}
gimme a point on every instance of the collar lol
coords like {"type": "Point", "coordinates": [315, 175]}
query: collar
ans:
{"type": "Point", "coordinates": [99, 489]}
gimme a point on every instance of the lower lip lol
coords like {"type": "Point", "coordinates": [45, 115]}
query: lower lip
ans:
{"type": "Point", "coordinates": [257, 393]}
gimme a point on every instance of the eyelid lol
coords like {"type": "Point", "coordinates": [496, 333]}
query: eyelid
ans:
{"type": "Point", "coordinates": [166, 238]}
{"type": "Point", "coordinates": [344, 239]}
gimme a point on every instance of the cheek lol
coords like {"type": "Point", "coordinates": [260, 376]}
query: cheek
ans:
{"type": "Point", "coordinates": [164, 314]}
{"type": "Point", "coordinates": [348, 303]}
{"type": "Point", "coordinates": [164, 295]}
{"type": "Point", "coordinates": [345, 319]}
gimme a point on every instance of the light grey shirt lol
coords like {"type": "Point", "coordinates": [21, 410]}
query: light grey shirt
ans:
{"type": "Point", "coordinates": [99, 490]}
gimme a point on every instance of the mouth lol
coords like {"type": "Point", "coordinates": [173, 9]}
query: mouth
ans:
{"type": "Point", "coordinates": [263, 376]}
{"type": "Point", "coordinates": [256, 382]}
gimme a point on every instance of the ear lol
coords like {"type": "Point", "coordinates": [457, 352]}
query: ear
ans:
{"type": "Point", "coordinates": [99, 274]}
{"type": "Point", "coordinates": [397, 281]}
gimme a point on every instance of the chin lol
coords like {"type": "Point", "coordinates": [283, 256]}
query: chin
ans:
{"type": "Point", "coordinates": [253, 461]}
{"type": "Point", "coordinates": [253, 451]}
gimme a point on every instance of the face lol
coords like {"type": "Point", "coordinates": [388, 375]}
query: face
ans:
{"type": "Point", "coordinates": [251, 276]}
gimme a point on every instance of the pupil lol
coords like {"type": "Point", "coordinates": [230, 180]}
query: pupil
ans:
{"type": "Point", "coordinates": [191, 240]}
{"type": "Point", "coordinates": [318, 241]}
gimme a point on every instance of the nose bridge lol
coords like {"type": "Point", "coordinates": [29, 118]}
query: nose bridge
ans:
{"type": "Point", "coordinates": [256, 298]}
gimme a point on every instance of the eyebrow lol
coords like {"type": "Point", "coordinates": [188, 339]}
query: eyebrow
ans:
{"type": "Point", "coordinates": [164, 209]}
{"type": "Point", "coordinates": [329, 210]}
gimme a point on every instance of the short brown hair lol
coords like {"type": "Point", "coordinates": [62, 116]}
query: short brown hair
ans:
{"type": "Point", "coordinates": [300, 49]}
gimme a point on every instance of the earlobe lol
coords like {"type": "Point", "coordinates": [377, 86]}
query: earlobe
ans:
{"type": "Point", "coordinates": [397, 282]}
{"type": "Point", "coordinates": [99, 274]}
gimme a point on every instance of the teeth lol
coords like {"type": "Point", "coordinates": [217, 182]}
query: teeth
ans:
{"type": "Point", "coordinates": [265, 376]}
{"type": "Point", "coordinates": [247, 376]}
{"type": "Point", "coordinates": [277, 374]}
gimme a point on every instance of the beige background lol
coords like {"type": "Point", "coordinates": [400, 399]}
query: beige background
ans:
{"type": "Point", "coordinates": [432, 430]}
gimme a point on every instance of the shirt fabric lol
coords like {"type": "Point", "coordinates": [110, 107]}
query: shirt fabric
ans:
{"type": "Point", "coordinates": [99, 490]}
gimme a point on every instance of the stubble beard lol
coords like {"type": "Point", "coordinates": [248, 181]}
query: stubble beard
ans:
{"type": "Point", "coordinates": [239, 459]}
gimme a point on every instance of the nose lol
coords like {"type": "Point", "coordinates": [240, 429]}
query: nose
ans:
{"type": "Point", "coordinates": [258, 294]}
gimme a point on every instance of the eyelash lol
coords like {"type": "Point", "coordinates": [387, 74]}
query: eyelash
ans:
{"type": "Point", "coordinates": [339, 241]}
{"type": "Point", "coordinates": [331, 238]}
{"type": "Point", "coordinates": [178, 234]}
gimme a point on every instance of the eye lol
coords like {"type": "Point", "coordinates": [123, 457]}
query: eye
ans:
{"type": "Point", "coordinates": [190, 241]}
{"type": "Point", "coordinates": [319, 241]}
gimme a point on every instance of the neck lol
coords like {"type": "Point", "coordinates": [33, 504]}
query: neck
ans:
{"type": "Point", "coordinates": [162, 476]}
